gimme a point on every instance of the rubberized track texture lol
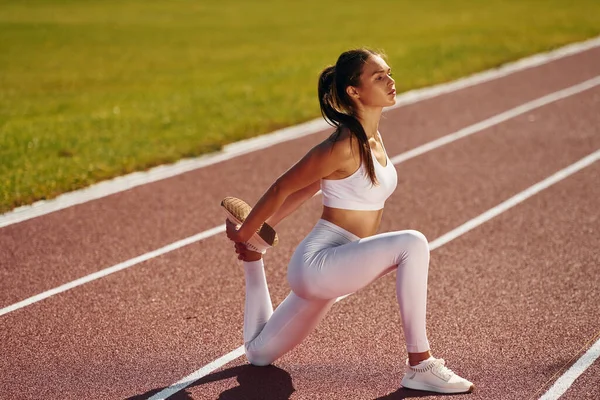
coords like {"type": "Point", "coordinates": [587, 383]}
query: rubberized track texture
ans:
{"type": "Point", "coordinates": [501, 176]}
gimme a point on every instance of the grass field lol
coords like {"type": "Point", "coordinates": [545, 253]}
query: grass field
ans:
{"type": "Point", "coordinates": [95, 89]}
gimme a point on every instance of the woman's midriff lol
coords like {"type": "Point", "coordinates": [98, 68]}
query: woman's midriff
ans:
{"type": "Point", "coordinates": [360, 223]}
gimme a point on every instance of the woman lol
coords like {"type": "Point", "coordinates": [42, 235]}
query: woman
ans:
{"type": "Point", "coordinates": [342, 253]}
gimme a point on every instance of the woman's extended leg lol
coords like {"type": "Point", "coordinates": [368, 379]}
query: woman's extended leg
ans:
{"type": "Point", "coordinates": [339, 270]}
{"type": "Point", "coordinates": [341, 267]}
{"type": "Point", "coordinates": [291, 322]}
{"type": "Point", "coordinates": [329, 264]}
{"type": "Point", "coordinates": [336, 271]}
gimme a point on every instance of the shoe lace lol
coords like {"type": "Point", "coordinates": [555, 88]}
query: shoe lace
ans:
{"type": "Point", "coordinates": [439, 366]}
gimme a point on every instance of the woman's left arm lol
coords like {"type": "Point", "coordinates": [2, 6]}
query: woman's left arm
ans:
{"type": "Point", "coordinates": [322, 160]}
{"type": "Point", "coordinates": [293, 201]}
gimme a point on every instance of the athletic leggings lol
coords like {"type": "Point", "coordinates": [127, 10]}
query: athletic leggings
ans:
{"type": "Point", "coordinates": [332, 262]}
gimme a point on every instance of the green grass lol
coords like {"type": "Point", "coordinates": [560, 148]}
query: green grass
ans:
{"type": "Point", "coordinates": [94, 89]}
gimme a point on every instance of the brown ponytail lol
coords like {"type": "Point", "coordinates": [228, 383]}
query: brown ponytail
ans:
{"type": "Point", "coordinates": [336, 106]}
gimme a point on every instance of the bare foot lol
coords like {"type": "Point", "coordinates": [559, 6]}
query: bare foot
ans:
{"type": "Point", "coordinates": [246, 255]}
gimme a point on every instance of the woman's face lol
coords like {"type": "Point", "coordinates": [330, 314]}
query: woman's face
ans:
{"type": "Point", "coordinates": [377, 88]}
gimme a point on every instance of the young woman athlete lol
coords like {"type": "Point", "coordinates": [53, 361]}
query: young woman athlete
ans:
{"type": "Point", "coordinates": [342, 253]}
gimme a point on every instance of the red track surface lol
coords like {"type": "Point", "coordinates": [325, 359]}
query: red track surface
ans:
{"type": "Point", "coordinates": [511, 304]}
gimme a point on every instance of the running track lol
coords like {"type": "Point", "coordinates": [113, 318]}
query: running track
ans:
{"type": "Point", "coordinates": [513, 302]}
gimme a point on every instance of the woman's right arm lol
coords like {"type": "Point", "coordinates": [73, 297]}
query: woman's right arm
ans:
{"type": "Point", "coordinates": [322, 160]}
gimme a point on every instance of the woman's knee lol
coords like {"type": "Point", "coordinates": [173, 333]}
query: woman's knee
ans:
{"type": "Point", "coordinates": [419, 238]}
{"type": "Point", "coordinates": [414, 243]}
{"type": "Point", "coordinates": [258, 358]}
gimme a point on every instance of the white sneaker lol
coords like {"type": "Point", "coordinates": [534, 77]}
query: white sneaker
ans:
{"type": "Point", "coordinates": [434, 376]}
{"type": "Point", "coordinates": [237, 211]}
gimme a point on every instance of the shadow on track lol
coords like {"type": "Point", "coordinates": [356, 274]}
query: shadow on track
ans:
{"type": "Point", "coordinates": [265, 383]}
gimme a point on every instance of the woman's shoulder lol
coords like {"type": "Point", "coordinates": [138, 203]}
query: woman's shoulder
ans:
{"type": "Point", "coordinates": [340, 134]}
{"type": "Point", "coordinates": [342, 144]}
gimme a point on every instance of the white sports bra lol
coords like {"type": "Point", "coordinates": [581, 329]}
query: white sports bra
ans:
{"type": "Point", "coordinates": [356, 192]}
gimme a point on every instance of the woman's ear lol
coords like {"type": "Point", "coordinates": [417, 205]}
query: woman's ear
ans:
{"type": "Point", "coordinates": [352, 92]}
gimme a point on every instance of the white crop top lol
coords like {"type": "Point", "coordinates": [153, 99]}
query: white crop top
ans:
{"type": "Point", "coordinates": [356, 192]}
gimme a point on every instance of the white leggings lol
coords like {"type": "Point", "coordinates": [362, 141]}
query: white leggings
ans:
{"type": "Point", "coordinates": [332, 262]}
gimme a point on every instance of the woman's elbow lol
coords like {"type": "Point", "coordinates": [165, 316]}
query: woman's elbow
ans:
{"type": "Point", "coordinates": [279, 190]}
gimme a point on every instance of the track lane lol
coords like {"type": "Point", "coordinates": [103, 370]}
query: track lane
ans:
{"type": "Point", "coordinates": [184, 327]}
{"type": "Point", "coordinates": [59, 247]}
{"type": "Point", "coordinates": [509, 304]}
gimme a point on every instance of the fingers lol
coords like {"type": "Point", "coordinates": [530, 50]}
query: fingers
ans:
{"type": "Point", "coordinates": [231, 230]}
{"type": "Point", "coordinates": [245, 254]}
{"type": "Point", "coordinates": [240, 249]}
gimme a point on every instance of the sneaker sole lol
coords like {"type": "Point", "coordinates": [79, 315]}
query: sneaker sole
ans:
{"type": "Point", "coordinates": [431, 388]}
{"type": "Point", "coordinates": [238, 210]}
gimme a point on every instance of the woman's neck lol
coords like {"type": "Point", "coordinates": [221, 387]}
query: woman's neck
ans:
{"type": "Point", "coordinates": [369, 119]}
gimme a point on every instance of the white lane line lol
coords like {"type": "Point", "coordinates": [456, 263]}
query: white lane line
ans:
{"type": "Point", "coordinates": [478, 127]}
{"type": "Point", "coordinates": [118, 267]}
{"type": "Point", "coordinates": [442, 240]}
{"type": "Point", "coordinates": [566, 380]}
{"type": "Point", "coordinates": [233, 150]}
{"type": "Point", "coordinates": [202, 372]}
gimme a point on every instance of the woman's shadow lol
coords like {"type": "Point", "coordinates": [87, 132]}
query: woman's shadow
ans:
{"type": "Point", "coordinates": [265, 383]}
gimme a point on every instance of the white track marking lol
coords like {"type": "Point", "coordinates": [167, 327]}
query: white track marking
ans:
{"type": "Point", "coordinates": [566, 380]}
{"type": "Point", "coordinates": [118, 267]}
{"type": "Point", "coordinates": [191, 378]}
{"type": "Point", "coordinates": [233, 150]}
{"type": "Point", "coordinates": [514, 112]}
{"type": "Point", "coordinates": [442, 240]}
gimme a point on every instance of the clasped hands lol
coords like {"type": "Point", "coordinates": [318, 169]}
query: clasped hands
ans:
{"type": "Point", "coordinates": [233, 233]}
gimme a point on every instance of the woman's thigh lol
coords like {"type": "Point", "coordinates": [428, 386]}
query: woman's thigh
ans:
{"type": "Point", "coordinates": [340, 270]}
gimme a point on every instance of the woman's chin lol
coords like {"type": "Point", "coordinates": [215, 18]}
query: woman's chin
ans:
{"type": "Point", "coordinates": [390, 101]}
